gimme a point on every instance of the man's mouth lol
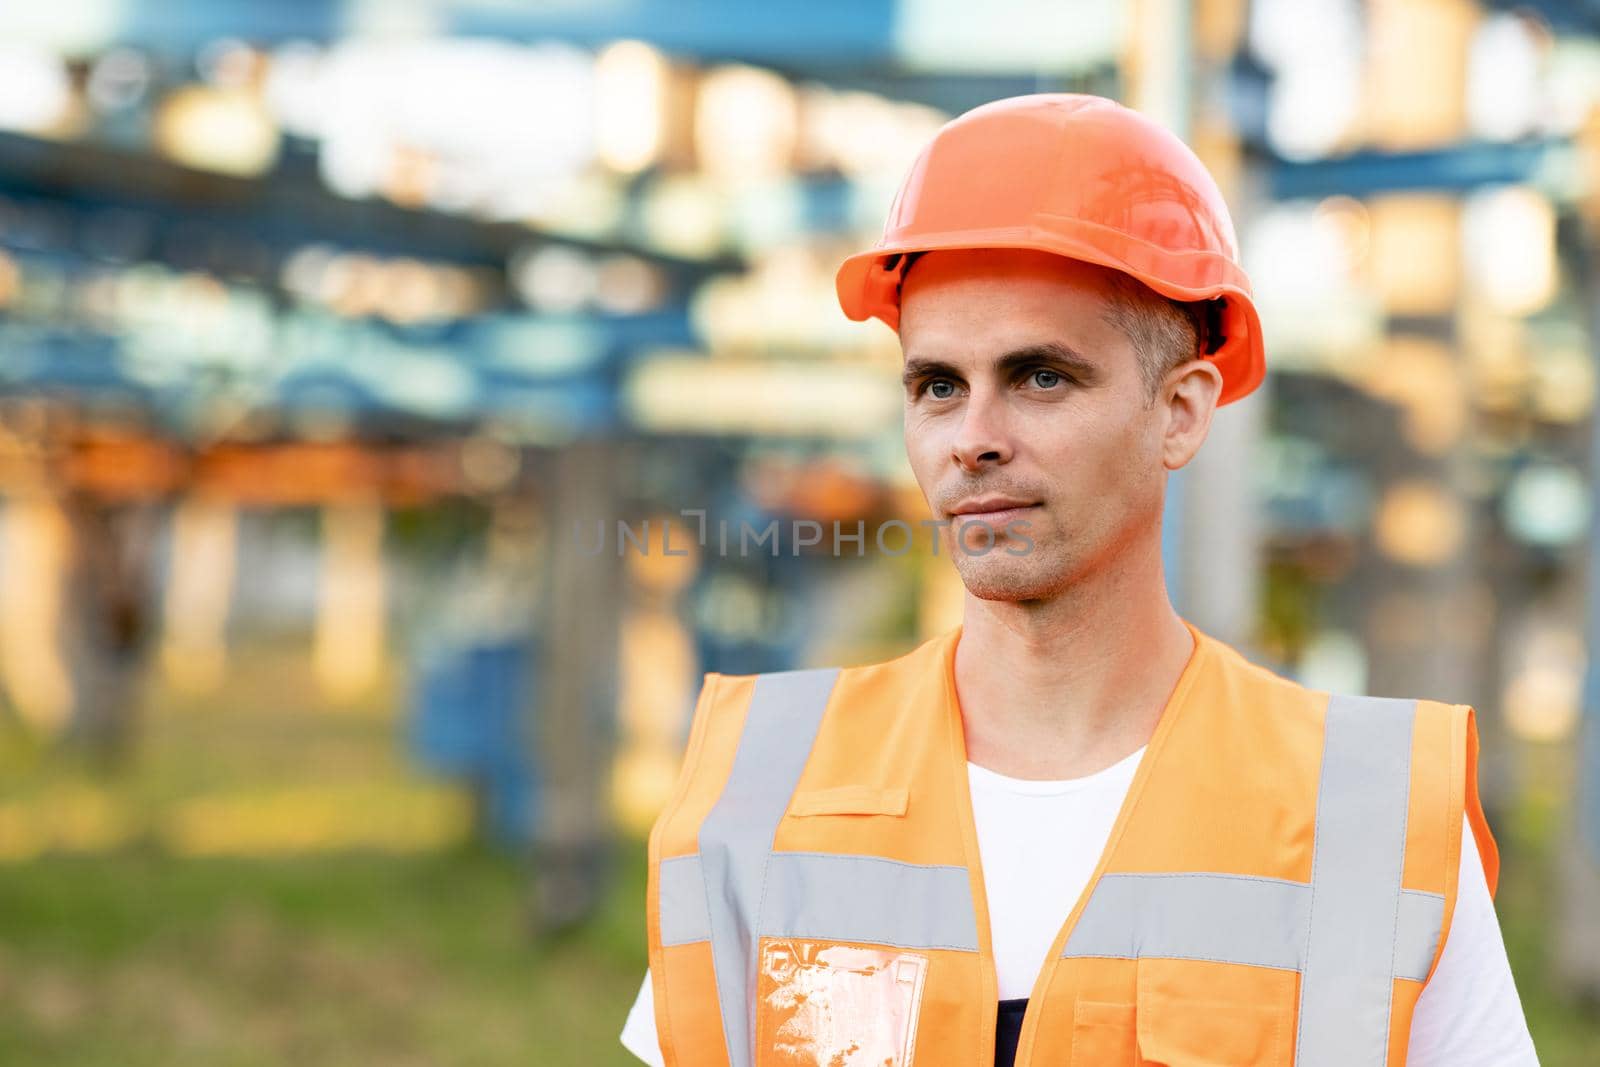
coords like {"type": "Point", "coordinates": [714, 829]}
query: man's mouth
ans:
{"type": "Point", "coordinates": [993, 511]}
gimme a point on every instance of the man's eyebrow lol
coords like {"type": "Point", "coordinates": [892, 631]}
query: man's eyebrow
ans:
{"type": "Point", "coordinates": [1084, 370]}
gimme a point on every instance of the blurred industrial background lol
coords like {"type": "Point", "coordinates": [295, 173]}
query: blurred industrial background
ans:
{"type": "Point", "coordinates": [327, 325]}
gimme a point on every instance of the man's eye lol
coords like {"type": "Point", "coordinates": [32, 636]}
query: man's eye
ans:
{"type": "Point", "coordinates": [938, 383]}
{"type": "Point", "coordinates": [1047, 379]}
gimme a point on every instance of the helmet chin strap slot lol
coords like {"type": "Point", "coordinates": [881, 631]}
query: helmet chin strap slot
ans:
{"type": "Point", "coordinates": [898, 264]}
{"type": "Point", "coordinates": [1213, 324]}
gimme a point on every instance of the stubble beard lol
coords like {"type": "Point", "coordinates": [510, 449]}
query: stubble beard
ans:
{"type": "Point", "coordinates": [1014, 570]}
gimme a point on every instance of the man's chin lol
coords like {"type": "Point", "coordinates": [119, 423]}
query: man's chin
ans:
{"type": "Point", "coordinates": [1000, 577]}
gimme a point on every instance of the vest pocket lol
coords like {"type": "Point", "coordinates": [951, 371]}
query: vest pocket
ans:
{"type": "Point", "coordinates": [1192, 1032]}
{"type": "Point", "coordinates": [1203, 1013]}
{"type": "Point", "coordinates": [1103, 1033]}
{"type": "Point", "coordinates": [849, 800]}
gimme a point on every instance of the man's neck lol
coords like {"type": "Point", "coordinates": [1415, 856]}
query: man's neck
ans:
{"type": "Point", "coordinates": [1064, 688]}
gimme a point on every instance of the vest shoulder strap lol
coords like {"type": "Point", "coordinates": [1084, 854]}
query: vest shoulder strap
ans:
{"type": "Point", "coordinates": [709, 851]}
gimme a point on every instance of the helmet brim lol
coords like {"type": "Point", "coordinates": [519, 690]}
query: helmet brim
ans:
{"type": "Point", "coordinates": [868, 287]}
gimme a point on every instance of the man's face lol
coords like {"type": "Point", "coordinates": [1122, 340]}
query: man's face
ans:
{"type": "Point", "coordinates": [1019, 387]}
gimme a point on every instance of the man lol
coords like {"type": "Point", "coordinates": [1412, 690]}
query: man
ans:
{"type": "Point", "coordinates": [1075, 828]}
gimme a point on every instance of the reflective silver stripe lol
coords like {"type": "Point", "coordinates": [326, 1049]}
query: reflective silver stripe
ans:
{"type": "Point", "coordinates": [1417, 937]}
{"type": "Point", "coordinates": [1227, 918]}
{"type": "Point", "coordinates": [1230, 918]}
{"type": "Point", "coordinates": [867, 898]}
{"type": "Point", "coordinates": [683, 901]}
{"type": "Point", "coordinates": [1222, 917]}
{"type": "Point", "coordinates": [1356, 864]}
{"type": "Point", "coordinates": [837, 897]}
{"type": "Point", "coordinates": [736, 836]}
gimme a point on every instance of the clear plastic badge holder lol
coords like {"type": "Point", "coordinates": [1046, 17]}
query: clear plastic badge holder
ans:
{"type": "Point", "coordinates": [829, 1004]}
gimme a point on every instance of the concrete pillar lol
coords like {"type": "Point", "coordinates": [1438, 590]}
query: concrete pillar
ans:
{"type": "Point", "coordinates": [199, 592]}
{"type": "Point", "coordinates": [574, 711]}
{"type": "Point", "coordinates": [349, 640]}
{"type": "Point", "coordinates": [1575, 934]}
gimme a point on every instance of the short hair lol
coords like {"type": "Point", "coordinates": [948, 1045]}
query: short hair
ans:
{"type": "Point", "coordinates": [1165, 333]}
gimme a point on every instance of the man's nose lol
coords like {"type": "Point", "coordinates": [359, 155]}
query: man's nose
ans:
{"type": "Point", "coordinates": [983, 436]}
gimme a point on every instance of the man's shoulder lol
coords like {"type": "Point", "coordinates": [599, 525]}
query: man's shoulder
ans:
{"type": "Point", "coordinates": [1247, 668]}
{"type": "Point", "coordinates": [1258, 691]}
{"type": "Point", "coordinates": [1274, 681]}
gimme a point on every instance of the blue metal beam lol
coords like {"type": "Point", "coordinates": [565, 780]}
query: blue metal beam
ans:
{"type": "Point", "coordinates": [284, 210]}
{"type": "Point", "coordinates": [1564, 16]}
{"type": "Point", "coordinates": [850, 43]}
{"type": "Point", "coordinates": [774, 31]}
{"type": "Point", "coordinates": [832, 31]}
{"type": "Point", "coordinates": [1459, 169]}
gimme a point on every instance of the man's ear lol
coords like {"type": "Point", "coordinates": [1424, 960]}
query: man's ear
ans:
{"type": "Point", "coordinates": [1188, 397]}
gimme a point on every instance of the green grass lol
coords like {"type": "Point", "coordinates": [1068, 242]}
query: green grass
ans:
{"type": "Point", "coordinates": [144, 959]}
{"type": "Point", "coordinates": [124, 943]}
{"type": "Point", "coordinates": [1566, 1031]}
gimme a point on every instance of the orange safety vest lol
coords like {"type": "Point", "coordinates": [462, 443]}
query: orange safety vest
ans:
{"type": "Point", "coordinates": [1276, 888]}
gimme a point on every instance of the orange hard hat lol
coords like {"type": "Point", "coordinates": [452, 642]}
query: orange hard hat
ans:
{"type": "Point", "coordinates": [1083, 177]}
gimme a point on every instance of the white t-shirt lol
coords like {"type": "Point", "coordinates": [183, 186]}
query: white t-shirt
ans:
{"type": "Point", "coordinates": [1469, 1015]}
